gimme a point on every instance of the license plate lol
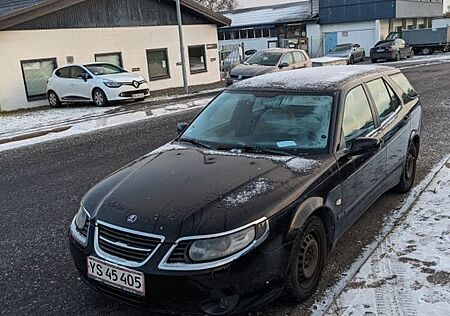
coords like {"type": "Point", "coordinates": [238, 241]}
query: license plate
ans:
{"type": "Point", "coordinates": [138, 96]}
{"type": "Point", "coordinates": [116, 276]}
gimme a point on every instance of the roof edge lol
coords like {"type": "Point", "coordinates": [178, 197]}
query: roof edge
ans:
{"type": "Point", "coordinates": [50, 6]}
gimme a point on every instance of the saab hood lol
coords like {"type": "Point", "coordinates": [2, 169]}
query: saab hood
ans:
{"type": "Point", "coordinates": [184, 191]}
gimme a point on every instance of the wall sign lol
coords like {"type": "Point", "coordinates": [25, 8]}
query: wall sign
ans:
{"type": "Point", "coordinates": [211, 46]}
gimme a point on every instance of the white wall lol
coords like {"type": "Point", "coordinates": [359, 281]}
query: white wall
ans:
{"type": "Point", "coordinates": [440, 23]}
{"type": "Point", "coordinates": [82, 44]}
{"type": "Point", "coordinates": [365, 33]}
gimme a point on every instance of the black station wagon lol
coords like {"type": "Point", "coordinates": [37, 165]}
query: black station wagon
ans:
{"type": "Point", "coordinates": [250, 198]}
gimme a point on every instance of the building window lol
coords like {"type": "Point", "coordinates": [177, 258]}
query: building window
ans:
{"type": "Point", "coordinates": [227, 36]}
{"type": "Point", "coordinates": [266, 33]}
{"type": "Point", "coordinates": [158, 64]}
{"type": "Point", "coordinates": [251, 33]}
{"type": "Point", "coordinates": [235, 35]}
{"type": "Point", "coordinates": [110, 58]}
{"type": "Point", "coordinates": [197, 59]}
{"type": "Point", "coordinates": [258, 33]}
{"type": "Point", "coordinates": [35, 75]}
{"type": "Point", "coordinates": [243, 34]}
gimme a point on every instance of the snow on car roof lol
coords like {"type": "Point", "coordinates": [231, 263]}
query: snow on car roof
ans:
{"type": "Point", "coordinates": [329, 78]}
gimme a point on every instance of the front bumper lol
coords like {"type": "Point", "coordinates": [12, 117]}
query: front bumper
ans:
{"type": "Point", "coordinates": [127, 92]}
{"type": "Point", "coordinates": [249, 282]}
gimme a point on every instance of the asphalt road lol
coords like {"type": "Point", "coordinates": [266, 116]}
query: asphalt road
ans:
{"type": "Point", "coordinates": [41, 186]}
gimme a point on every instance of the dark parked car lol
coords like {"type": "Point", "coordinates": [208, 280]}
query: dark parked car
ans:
{"type": "Point", "coordinates": [253, 194]}
{"type": "Point", "coordinates": [267, 61]}
{"type": "Point", "coordinates": [396, 49]}
{"type": "Point", "coordinates": [352, 52]}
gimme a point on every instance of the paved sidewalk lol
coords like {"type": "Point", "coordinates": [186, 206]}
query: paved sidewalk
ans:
{"type": "Point", "coordinates": [409, 273]}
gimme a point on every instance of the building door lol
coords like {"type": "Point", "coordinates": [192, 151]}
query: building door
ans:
{"type": "Point", "coordinates": [330, 41]}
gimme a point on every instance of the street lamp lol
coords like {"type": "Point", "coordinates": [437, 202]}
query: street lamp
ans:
{"type": "Point", "coordinates": [182, 52]}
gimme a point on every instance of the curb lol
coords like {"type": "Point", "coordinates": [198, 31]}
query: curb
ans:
{"type": "Point", "coordinates": [322, 306]}
{"type": "Point", "coordinates": [135, 107]}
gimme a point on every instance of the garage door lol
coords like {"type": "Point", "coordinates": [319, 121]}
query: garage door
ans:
{"type": "Point", "coordinates": [365, 38]}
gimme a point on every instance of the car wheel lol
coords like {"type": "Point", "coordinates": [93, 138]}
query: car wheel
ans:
{"type": "Point", "coordinates": [374, 61]}
{"type": "Point", "coordinates": [351, 61]}
{"type": "Point", "coordinates": [99, 98]}
{"type": "Point", "coordinates": [398, 57]}
{"type": "Point", "coordinates": [426, 51]}
{"type": "Point", "coordinates": [307, 260]}
{"type": "Point", "coordinates": [53, 99]}
{"type": "Point", "coordinates": [409, 170]}
{"type": "Point", "coordinates": [139, 100]}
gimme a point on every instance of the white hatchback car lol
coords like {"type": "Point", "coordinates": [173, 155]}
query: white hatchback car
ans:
{"type": "Point", "coordinates": [100, 83]}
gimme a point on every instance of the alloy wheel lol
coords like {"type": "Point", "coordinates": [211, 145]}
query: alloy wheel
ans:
{"type": "Point", "coordinates": [98, 98]}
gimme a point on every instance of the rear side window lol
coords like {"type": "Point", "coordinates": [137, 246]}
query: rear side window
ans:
{"type": "Point", "coordinates": [287, 58]}
{"type": "Point", "coordinates": [404, 84]}
{"type": "Point", "coordinates": [358, 119]}
{"type": "Point", "coordinates": [385, 99]}
{"type": "Point", "coordinates": [299, 57]}
{"type": "Point", "coordinates": [64, 72]}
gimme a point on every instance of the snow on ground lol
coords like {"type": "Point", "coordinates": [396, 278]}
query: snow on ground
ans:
{"type": "Point", "coordinates": [409, 273]}
{"type": "Point", "coordinates": [258, 187]}
{"type": "Point", "coordinates": [17, 122]}
{"type": "Point", "coordinates": [101, 121]}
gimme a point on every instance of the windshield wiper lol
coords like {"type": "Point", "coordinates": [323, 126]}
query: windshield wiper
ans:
{"type": "Point", "coordinates": [194, 142]}
{"type": "Point", "coordinates": [256, 150]}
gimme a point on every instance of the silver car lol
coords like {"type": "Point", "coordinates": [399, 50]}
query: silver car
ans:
{"type": "Point", "coordinates": [267, 61]}
{"type": "Point", "coordinates": [352, 52]}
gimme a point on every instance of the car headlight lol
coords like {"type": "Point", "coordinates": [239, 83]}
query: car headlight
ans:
{"type": "Point", "coordinates": [205, 250]}
{"type": "Point", "coordinates": [80, 218]}
{"type": "Point", "coordinates": [112, 84]}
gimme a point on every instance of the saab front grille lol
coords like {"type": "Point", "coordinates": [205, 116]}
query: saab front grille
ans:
{"type": "Point", "coordinates": [125, 244]}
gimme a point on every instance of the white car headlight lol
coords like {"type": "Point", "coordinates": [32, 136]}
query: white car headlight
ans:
{"type": "Point", "coordinates": [206, 250]}
{"type": "Point", "coordinates": [112, 84]}
{"type": "Point", "coordinates": [80, 218]}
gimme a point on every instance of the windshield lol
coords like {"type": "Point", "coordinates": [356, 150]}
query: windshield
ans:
{"type": "Point", "coordinates": [104, 69]}
{"type": "Point", "coordinates": [289, 123]}
{"type": "Point", "coordinates": [384, 44]}
{"type": "Point", "coordinates": [341, 48]}
{"type": "Point", "coordinates": [264, 59]}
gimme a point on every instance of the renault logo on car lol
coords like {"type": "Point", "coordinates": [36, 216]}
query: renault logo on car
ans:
{"type": "Point", "coordinates": [136, 84]}
{"type": "Point", "coordinates": [131, 219]}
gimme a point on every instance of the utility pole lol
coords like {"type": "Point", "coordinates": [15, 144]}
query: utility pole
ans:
{"type": "Point", "coordinates": [183, 56]}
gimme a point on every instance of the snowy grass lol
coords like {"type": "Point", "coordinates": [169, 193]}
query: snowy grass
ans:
{"type": "Point", "coordinates": [323, 304]}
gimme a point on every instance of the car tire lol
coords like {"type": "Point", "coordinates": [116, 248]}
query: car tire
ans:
{"type": "Point", "coordinates": [139, 100]}
{"type": "Point", "coordinates": [374, 61]}
{"type": "Point", "coordinates": [351, 61]}
{"type": "Point", "coordinates": [307, 261]}
{"type": "Point", "coordinates": [398, 57]}
{"type": "Point", "coordinates": [409, 169]}
{"type": "Point", "coordinates": [427, 51]}
{"type": "Point", "coordinates": [53, 99]}
{"type": "Point", "coordinates": [99, 98]}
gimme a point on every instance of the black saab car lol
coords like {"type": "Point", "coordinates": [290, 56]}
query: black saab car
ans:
{"type": "Point", "coordinates": [248, 201]}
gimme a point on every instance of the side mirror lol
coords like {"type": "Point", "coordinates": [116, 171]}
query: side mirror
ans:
{"type": "Point", "coordinates": [181, 127]}
{"type": "Point", "coordinates": [364, 145]}
{"type": "Point", "coordinates": [85, 76]}
{"type": "Point", "coordinates": [283, 65]}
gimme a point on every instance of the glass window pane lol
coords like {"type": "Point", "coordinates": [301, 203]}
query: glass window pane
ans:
{"type": "Point", "coordinates": [385, 101]}
{"type": "Point", "coordinates": [404, 83]}
{"type": "Point", "coordinates": [258, 33]}
{"type": "Point", "coordinates": [358, 120]}
{"type": "Point", "coordinates": [251, 33]}
{"type": "Point", "coordinates": [266, 33]}
{"type": "Point", "coordinates": [158, 65]}
{"type": "Point", "coordinates": [36, 74]}
{"type": "Point", "coordinates": [197, 59]}
{"type": "Point", "coordinates": [243, 34]}
{"type": "Point", "coordinates": [287, 58]}
{"type": "Point", "coordinates": [114, 58]}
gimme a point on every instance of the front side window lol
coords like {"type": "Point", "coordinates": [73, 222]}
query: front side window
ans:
{"type": "Point", "coordinates": [293, 123]}
{"type": "Point", "coordinates": [158, 64]}
{"type": "Point", "coordinates": [104, 69]}
{"type": "Point", "coordinates": [35, 75]}
{"type": "Point", "coordinates": [110, 58]}
{"type": "Point", "coordinates": [385, 100]}
{"type": "Point", "coordinates": [299, 57]}
{"type": "Point", "coordinates": [264, 59]}
{"type": "Point", "coordinates": [197, 59]}
{"type": "Point", "coordinates": [358, 119]}
{"type": "Point", "coordinates": [77, 72]}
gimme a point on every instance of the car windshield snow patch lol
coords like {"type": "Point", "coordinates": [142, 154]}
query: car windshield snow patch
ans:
{"type": "Point", "coordinates": [254, 189]}
{"type": "Point", "coordinates": [165, 148]}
